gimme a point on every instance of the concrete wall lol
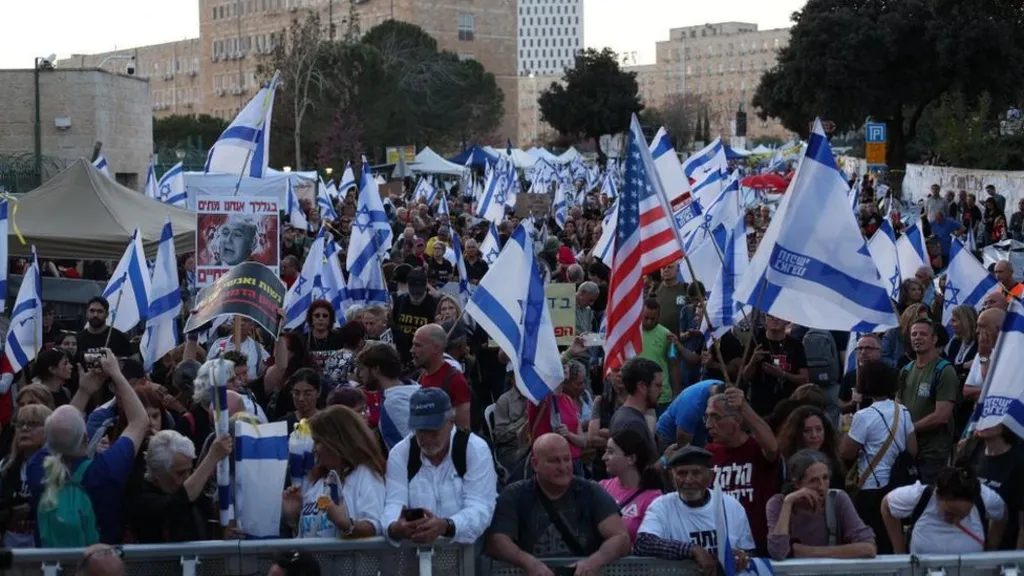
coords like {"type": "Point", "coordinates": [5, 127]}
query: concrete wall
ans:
{"type": "Point", "coordinates": [111, 108]}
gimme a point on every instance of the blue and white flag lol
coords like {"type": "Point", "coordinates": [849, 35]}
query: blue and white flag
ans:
{"type": "Point", "coordinates": [726, 551]}
{"type": "Point", "coordinates": [460, 267]}
{"type": "Point", "coordinates": [25, 333]}
{"type": "Point", "coordinates": [1002, 397]}
{"type": "Point", "coordinates": [910, 251]}
{"type": "Point", "coordinates": [425, 190]}
{"type": "Point", "coordinates": [497, 185]}
{"type": "Point", "coordinates": [666, 164]}
{"type": "Point", "coordinates": [603, 248]}
{"type": "Point", "coordinates": [220, 371]}
{"type": "Point", "coordinates": [850, 358]}
{"type": "Point", "coordinates": [4, 251]}
{"type": "Point", "coordinates": [335, 290]}
{"type": "Point", "coordinates": [293, 209]}
{"type": "Point", "coordinates": [244, 147]}
{"type": "Point", "coordinates": [370, 240]}
{"type": "Point", "coordinates": [101, 164]}
{"type": "Point", "coordinates": [855, 197]}
{"type": "Point", "coordinates": [609, 188]}
{"type": "Point", "coordinates": [813, 267]}
{"type": "Point", "coordinates": [967, 281]}
{"type": "Point", "coordinates": [491, 246]}
{"type": "Point", "coordinates": [722, 308]}
{"type": "Point", "coordinates": [324, 201]}
{"type": "Point", "coordinates": [442, 208]}
{"type": "Point", "coordinates": [510, 305]}
{"type": "Point", "coordinates": [261, 467]}
{"type": "Point", "coordinates": [128, 290]}
{"type": "Point", "coordinates": [306, 287]}
{"type": "Point", "coordinates": [151, 181]}
{"type": "Point", "coordinates": [707, 170]}
{"type": "Point", "coordinates": [348, 181]}
{"type": "Point", "coordinates": [560, 206]}
{"type": "Point", "coordinates": [705, 237]}
{"type": "Point", "coordinates": [971, 239]}
{"type": "Point", "coordinates": [161, 334]}
{"type": "Point", "coordinates": [171, 189]}
{"type": "Point", "coordinates": [882, 247]}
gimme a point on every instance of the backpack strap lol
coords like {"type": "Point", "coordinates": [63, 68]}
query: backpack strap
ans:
{"type": "Point", "coordinates": [979, 503]}
{"type": "Point", "coordinates": [941, 365]}
{"type": "Point", "coordinates": [904, 374]}
{"type": "Point", "coordinates": [79, 474]}
{"type": "Point", "coordinates": [922, 503]}
{"type": "Point", "coordinates": [191, 423]}
{"type": "Point", "coordinates": [830, 517]}
{"type": "Point", "coordinates": [459, 449]}
{"type": "Point", "coordinates": [414, 458]}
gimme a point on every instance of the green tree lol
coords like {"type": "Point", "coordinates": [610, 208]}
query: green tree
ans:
{"type": "Point", "coordinates": [302, 85]}
{"type": "Point", "coordinates": [967, 135]}
{"type": "Point", "coordinates": [888, 60]}
{"type": "Point", "coordinates": [680, 115]}
{"type": "Point", "coordinates": [178, 131]}
{"type": "Point", "coordinates": [597, 98]}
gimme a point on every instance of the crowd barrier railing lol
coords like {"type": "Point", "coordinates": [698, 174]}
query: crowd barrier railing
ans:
{"type": "Point", "coordinates": [377, 557]}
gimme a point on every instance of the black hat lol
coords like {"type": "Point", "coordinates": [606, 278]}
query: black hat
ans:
{"type": "Point", "coordinates": [691, 455]}
{"type": "Point", "coordinates": [417, 281]}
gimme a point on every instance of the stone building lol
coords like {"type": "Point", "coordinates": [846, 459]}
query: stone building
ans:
{"type": "Point", "coordinates": [550, 35]}
{"type": "Point", "coordinates": [77, 108]}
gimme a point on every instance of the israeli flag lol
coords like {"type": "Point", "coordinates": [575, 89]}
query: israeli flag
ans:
{"type": "Point", "coordinates": [1002, 397]}
{"type": "Point", "coordinates": [151, 182]}
{"type": "Point", "coordinates": [370, 240]}
{"type": "Point", "coordinates": [813, 266]}
{"type": "Point", "coordinates": [705, 237]}
{"type": "Point", "coordinates": [560, 207]}
{"type": "Point", "coordinates": [850, 359]}
{"type": "Point", "coordinates": [496, 187]}
{"type": "Point", "coordinates": [707, 170]}
{"type": "Point", "coordinates": [293, 209]}
{"type": "Point", "coordinates": [171, 189]}
{"type": "Point", "coordinates": [335, 290]}
{"type": "Point", "coordinates": [609, 188]}
{"type": "Point", "coordinates": [101, 164]}
{"type": "Point", "coordinates": [25, 332]}
{"type": "Point", "coordinates": [970, 240]}
{"type": "Point", "coordinates": [726, 551]}
{"type": "Point", "coordinates": [348, 181]}
{"type": "Point", "coordinates": [261, 467]}
{"type": "Point", "coordinates": [244, 147]}
{"type": "Point", "coordinates": [220, 371]}
{"type": "Point", "coordinates": [161, 334]}
{"type": "Point", "coordinates": [425, 191]}
{"type": "Point", "coordinates": [882, 247]}
{"type": "Point", "coordinates": [460, 266]}
{"type": "Point", "coordinates": [967, 281]}
{"type": "Point", "coordinates": [603, 248]}
{"type": "Point", "coordinates": [300, 296]}
{"type": "Point", "coordinates": [4, 225]}
{"type": "Point", "coordinates": [910, 251]}
{"type": "Point", "coordinates": [324, 201]}
{"type": "Point", "coordinates": [510, 305]}
{"type": "Point", "coordinates": [128, 289]}
{"type": "Point", "coordinates": [722, 308]}
{"type": "Point", "coordinates": [667, 165]}
{"type": "Point", "coordinates": [491, 246]}
{"type": "Point", "coordinates": [442, 208]}
{"type": "Point", "coordinates": [855, 197]}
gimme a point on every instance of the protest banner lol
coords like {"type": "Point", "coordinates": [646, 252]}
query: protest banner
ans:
{"type": "Point", "coordinates": [532, 204]}
{"type": "Point", "coordinates": [235, 229]}
{"type": "Point", "coordinates": [249, 289]}
{"type": "Point", "coordinates": [562, 305]}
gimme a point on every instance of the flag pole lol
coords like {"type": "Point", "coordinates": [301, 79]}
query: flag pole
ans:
{"type": "Point", "coordinates": [113, 315]}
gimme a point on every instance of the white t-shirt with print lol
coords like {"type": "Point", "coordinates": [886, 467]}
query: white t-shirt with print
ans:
{"type": "Point", "coordinates": [669, 518]}
{"type": "Point", "coordinates": [870, 428]}
{"type": "Point", "coordinates": [363, 493]}
{"type": "Point", "coordinates": [931, 534]}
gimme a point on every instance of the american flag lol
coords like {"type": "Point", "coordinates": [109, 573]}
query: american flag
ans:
{"type": "Point", "coordinates": [645, 240]}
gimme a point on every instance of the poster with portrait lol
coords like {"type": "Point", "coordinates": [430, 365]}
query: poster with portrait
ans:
{"type": "Point", "coordinates": [235, 229]}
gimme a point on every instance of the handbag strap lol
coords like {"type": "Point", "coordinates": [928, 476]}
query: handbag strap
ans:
{"type": "Point", "coordinates": [563, 528]}
{"type": "Point", "coordinates": [885, 446]}
{"type": "Point", "coordinates": [622, 505]}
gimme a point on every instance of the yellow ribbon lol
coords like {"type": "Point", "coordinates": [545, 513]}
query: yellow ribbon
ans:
{"type": "Point", "coordinates": [14, 213]}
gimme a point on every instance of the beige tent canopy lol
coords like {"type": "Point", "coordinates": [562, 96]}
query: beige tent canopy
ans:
{"type": "Point", "coordinates": [82, 214]}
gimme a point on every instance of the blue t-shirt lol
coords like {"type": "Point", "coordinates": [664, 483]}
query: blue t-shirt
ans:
{"type": "Point", "coordinates": [944, 232]}
{"type": "Point", "coordinates": [687, 412]}
{"type": "Point", "coordinates": [104, 482]}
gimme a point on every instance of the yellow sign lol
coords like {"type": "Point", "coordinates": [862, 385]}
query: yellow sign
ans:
{"type": "Point", "coordinates": [875, 153]}
{"type": "Point", "coordinates": [409, 152]}
{"type": "Point", "coordinates": [562, 305]}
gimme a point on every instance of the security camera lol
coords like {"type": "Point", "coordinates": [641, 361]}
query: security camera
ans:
{"type": "Point", "coordinates": [129, 68]}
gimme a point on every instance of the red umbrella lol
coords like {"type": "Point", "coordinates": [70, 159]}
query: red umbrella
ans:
{"type": "Point", "coordinates": [765, 182]}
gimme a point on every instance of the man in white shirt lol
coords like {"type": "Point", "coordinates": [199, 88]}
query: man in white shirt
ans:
{"type": "Point", "coordinates": [255, 354]}
{"type": "Point", "coordinates": [681, 525]}
{"type": "Point", "coordinates": [441, 481]}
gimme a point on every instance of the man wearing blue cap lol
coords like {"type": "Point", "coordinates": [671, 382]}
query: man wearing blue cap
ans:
{"type": "Point", "coordinates": [425, 498]}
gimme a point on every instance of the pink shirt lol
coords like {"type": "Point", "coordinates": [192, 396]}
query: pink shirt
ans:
{"type": "Point", "coordinates": [635, 508]}
{"type": "Point", "coordinates": [567, 411]}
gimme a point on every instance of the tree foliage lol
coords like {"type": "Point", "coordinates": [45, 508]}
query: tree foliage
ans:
{"type": "Point", "coordinates": [390, 87]}
{"type": "Point", "coordinates": [597, 98]}
{"type": "Point", "coordinates": [888, 60]}
{"type": "Point", "coordinates": [680, 115]}
{"type": "Point", "coordinates": [177, 131]}
{"type": "Point", "coordinates": [967, 134]}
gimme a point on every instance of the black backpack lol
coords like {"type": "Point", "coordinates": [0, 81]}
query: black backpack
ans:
{"type": "Point", "coordinates": [460, 445]}
{"type": "Point", "coordinates": [922, 503]}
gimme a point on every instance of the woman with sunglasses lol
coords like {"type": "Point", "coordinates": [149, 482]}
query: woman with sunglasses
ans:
{"type": "Point", "coordinates": [322, 339]}
{"type": "Point", "coordinates": [15, 518]}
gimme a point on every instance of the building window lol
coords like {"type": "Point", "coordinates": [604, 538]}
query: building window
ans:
{"type": "Point", "coordinates": [467, 25]}
{"type": "Point", "coordinates": [466, 56]}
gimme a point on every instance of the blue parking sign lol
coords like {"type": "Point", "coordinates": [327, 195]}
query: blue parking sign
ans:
{"type": "Point", "coordinates": [874, 132]}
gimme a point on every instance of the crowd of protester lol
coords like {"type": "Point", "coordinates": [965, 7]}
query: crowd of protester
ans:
{"type": "Point", "coordinates": [416, 420]}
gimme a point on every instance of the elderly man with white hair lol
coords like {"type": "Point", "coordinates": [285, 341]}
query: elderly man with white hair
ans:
{"type": "Point", "coordinates": [170, 506]}
{"type": "Point", "coordinates": [64, 461]}
{"type": "Point", "coordinates": [586, 295]}
{"type": "Point", "coordinates": [235, 240]}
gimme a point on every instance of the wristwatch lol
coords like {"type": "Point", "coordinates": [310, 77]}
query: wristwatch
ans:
{"type": "Point", "coordinates": [449, 528]}
{"type": "Point", "coordinates": [351, 528]}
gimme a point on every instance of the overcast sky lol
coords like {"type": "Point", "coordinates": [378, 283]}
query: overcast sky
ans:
{"type": "Point", "coordinates": [62, 27]}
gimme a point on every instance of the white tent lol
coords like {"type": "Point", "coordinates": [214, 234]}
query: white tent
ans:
{"type": "Point", "coordinates": [520, 159]}
{"type": "Point", "coordinates": [543, 154]}
{"type": "Point", "coordinates": [568, 156]}
{"type": "Point", "coordinates": [762, 149]}
{"type": "Point", "coordinates": [429, 162]}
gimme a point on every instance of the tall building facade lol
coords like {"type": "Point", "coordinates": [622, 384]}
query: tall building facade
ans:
{"type": "Point", "coordinates": [233, 34]}
{"type": "Point", "coordinates": [550, 34]}
{"type": "Point", "coordinates": [722, 63]}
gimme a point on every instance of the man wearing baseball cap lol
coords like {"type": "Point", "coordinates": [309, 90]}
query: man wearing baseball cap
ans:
{"type": "Point", "coordinates": [440, 480]}
{"type": "Point", "coordinates": [411, 311]}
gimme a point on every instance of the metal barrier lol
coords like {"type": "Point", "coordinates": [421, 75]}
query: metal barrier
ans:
{"type": "Point", "coordinates": [376, 557]}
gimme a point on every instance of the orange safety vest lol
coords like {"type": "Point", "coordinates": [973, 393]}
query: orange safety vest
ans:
{"type": "Point", "coordinates": [1016, 292]}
